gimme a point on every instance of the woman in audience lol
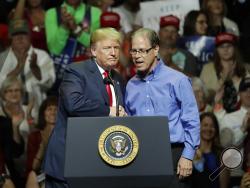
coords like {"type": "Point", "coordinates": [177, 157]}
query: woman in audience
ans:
{"type": "Point", "coordinates": [37, 141]}
{"type": "Point", "coordinates": [12, 93]}
{"type": "Point", "coordinates": [218, 22]}
{"type": "Point", "coordinates": [207, 158]}
{"type": "Point", "coordinates": [12, 108]}
{"type": "Point", "coordinates": [33, 11]}
{"type": "Point", "coordinates": [225, 72]}
{"type": "Point", "coordinates": [195, 23]}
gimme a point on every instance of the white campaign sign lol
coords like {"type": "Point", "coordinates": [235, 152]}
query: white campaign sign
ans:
{"type": "Point", "coordinates": [153, 10]}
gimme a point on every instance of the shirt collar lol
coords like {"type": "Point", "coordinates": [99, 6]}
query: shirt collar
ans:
{"type": "Point", "coordinates": [100, 68]}
{"type": "Point", "coordinates": [153, 74]}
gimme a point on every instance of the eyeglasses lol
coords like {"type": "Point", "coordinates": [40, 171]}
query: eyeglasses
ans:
{"type": "Point", "coordinates": [142, 52]}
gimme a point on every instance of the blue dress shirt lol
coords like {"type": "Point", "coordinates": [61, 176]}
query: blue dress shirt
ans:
{"type": "Point", "coordinates": [166, 92]}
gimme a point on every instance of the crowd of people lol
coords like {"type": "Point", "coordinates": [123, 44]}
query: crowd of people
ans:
{"type": "Point", "coordinates": [54, 56]}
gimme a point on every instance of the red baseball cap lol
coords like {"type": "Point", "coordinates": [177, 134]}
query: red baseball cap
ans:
{"type": "Point", "coordinates": [225, 37]}
{"type": "Point", "coordinates": [110, 19]}
{"type": "Point", "coordinates": [170, 20]}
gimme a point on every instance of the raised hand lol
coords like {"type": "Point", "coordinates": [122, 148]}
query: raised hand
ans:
{"type": "Point", "coordinates": [35, 69]}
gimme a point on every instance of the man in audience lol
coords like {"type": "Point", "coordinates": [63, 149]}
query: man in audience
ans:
{"type": "Point", "coordinates": [33, 66]}
{"type": "Point", "coordinates": [173, 56]}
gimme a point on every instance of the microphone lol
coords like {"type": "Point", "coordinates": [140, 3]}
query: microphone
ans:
{"type": "Point", "coordinates": [109, 80]}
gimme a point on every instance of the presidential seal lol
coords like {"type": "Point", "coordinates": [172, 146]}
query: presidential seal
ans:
{"type": "Point", "coordinates": [118, 145]}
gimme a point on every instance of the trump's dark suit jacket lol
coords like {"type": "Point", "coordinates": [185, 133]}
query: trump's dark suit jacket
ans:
{"type": "Point", "coordinates": [82, 94]}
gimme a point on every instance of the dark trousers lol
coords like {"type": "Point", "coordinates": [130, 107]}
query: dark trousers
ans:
{"type": "Point", "coordinates": [51, 182]}
{"type": "Point", "coordinates": [175, 182]}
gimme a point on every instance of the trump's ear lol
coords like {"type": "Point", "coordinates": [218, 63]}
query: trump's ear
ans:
{"type": "Point", "coordinates": [93, 50]}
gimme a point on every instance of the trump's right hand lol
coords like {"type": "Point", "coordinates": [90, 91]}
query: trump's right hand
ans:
{"type": "Point", "coordinates": [113, 109]}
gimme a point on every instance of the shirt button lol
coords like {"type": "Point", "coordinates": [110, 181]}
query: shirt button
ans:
{"type": "Point", "coordinates": [147, 82]}
{"type": "Point", "coordinates": [147, 96]}
{"type": "Point", "coordinates": [148, 110]}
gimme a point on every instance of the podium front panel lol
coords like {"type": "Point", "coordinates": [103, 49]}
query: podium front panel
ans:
{"type": "Point", "coordinates": [152, 166]}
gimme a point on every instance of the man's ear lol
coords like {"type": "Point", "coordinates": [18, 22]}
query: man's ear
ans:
{"type": "Point", "coordinates": [156, 50]}
{"type": "Point", "coordinates": [93, 50]}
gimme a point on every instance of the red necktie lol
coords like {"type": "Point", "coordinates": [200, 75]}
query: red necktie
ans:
{"type": "Point", "coordinates": [108, 88]}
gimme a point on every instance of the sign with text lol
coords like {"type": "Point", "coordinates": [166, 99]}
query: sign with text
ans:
{"type": "Point", "coordinates": [153, 10]}
{"type": "Point", "coordinates": [201, 47]}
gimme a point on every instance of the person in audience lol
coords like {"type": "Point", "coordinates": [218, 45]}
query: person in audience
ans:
{"type": "Point", "coordinates": [12, 93]}
{"type": "Point", "coordinates": [201, 93]}
{"type": "Point", "coordinates": [173, 56]}
{"type": "Point", "coordinates": [207, 158]}
{"type": "Point", "coordinates": [236, 122]}
{"type": "Point", "coordinates": [195, 23]}
{"type": "Point", "coordinates": [128, 11]}
{"type": "Point", "coordinates": [68, 29]}
{"type": "Point", "coordinates": [38, 140]}
{"type": "Point", "coordinates": [33, 66]}
{"type": "Point", "coordinates": [13, 110]}
{"type": "Point", "coordinates": [225, 72]}
{"type": "Point", "coordinates": [218, 22]}
{"type": "Point", "coordinates": [33, 11]}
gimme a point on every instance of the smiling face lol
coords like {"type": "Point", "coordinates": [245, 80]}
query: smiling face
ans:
{"type": "Point", "coordinates": [50, 114]}
{"type": "Point", "coordinates": [106, 53]}
{"type": "Point", "coordinates": [201, 25]}
{"type": "Point", "coordinates": [208, 130]}
{"type": "Point", "coordinates": [13, 94]}
{"type": "Point", "coordinates": [143, 54]}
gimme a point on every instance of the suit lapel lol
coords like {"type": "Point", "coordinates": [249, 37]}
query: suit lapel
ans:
{"type": "Point", "coordinates": [98, 80]}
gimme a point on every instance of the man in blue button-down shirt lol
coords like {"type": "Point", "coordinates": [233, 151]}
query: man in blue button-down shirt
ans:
{"type": "Point", "coordinates": [159, 90]}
